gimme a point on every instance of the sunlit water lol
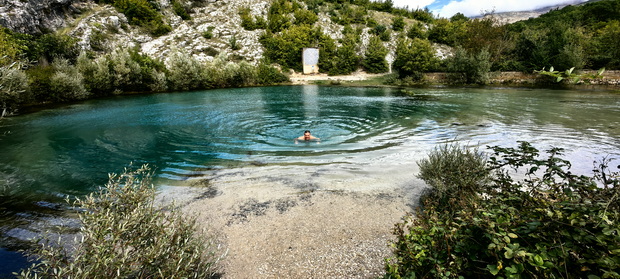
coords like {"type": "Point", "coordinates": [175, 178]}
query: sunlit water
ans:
{"type": "Point", "coordinates": [69, 151]}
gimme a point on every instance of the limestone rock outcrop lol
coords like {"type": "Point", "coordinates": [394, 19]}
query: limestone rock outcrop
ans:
{"type": "Point", "coordinates": [38, 16]}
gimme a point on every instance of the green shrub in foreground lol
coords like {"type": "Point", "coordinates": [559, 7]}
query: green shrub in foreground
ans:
{"type": "Point", "coordinates": [455, 173]}
{"type": "Point", "coordinates": [125, 235]}
{"type": "Point", "coordinates": [551, 224]}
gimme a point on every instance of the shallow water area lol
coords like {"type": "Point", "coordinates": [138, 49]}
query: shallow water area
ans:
{"type": "Point", "coordinates": [239, 143]}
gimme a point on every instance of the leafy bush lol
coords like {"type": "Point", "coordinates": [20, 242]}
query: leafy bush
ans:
{"type": "Point", "coordinates": [67, 83]}
{"type": "Point", "coordinates": [455, 173]}
{"type": "Point", "coordinates": [277, 15]}
{"type": "Point", "coordinates": [550, 224]}
{"type": "Point", "coordinates": [39, 83]}
{"type": "Point", "coordinates": [345, 60]}
{"type": "Point", "coordinates": [469, 68]}
{"type": "Point", "coordinates": [143, 13]}
{"type": "Point", "coordinates": [267, 74]}
{"type": "Point", "coordinates": [413, 57]}
{"type": "Point", "coordinates": [180, 10]}
{"type": "Point", "coordinates": [186, 73]}
{"type": "Point", "coordinates": [305, 17]}
{"type": "Point", "coordinates": [249, 23]}
{"type": "Point", "coordinates": [13, 87]}
{"type": "Point", "coordinates": [52, 46]}
{"type": "Point", "coordinates": [96, 73]}
{"type": "Point", "coordinates": [374, 58]}
{"type": "Point", "coordinates": [285, 48]}
{"type": "Point", "coordinates": [125, 235]}
{"type": "Point", "coordinates": [398, 23]}
{"type": "Point", "coordinates": [443, 31]}
{"type": "Point", "coordinates": [417, 30]}
{"type": "Point", "coordinates": [12, 48]}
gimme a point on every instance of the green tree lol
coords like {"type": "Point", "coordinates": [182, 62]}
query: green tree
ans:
{"type": "Point", "coordinates": [470, 68]}
{"type": "Point", "coordinates": [606, 50]}
{"type": "Point", "coordinates": [459, 17]}
{"type": "Point", "coordinates": [346, 59]}
{"type": "Point", "coordinates": [278, 15]}
{"type": "Point", "coordinates": [11, 47]}
{"type": "Point", "coordinates": [417, 30]}
{"type": "Point", "coordinates": [413, 57]}
{"type": "Point", "coordinates": [398, 23]}
{"type": "Point", "coordinates": [305, 17]}
{"type": "Point", "coordinates": [443, 31]}
{"type": "Point", "coordinates": [374, 58]}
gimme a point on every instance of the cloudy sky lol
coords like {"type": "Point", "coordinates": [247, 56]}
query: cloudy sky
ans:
{"type": "Point", "coordinates": [447, 8]}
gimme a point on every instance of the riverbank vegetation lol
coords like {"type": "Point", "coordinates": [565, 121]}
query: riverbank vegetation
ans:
{"type": "Point", "coordinates": [125, 234]}
{"type": "Point", "coordinates": [63, 73]}
{"type": "Point", "coordinates": [53, 67]}
{"type": "Point", "coordinates": [479, 221]}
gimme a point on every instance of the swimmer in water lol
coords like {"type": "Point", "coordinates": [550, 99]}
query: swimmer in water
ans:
{"type": "Point", "coordinates": [307, 137]}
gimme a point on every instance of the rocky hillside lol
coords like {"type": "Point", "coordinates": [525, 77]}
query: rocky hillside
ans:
{"type": "Point", "coordinates": [214, 26]}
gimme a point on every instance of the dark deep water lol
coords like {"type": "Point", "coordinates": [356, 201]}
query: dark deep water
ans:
{"type": "Point", "coordinates": [70, 150]}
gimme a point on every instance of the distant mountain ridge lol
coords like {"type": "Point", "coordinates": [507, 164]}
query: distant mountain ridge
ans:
{"type": "Point", "coordinates": [511, 17]}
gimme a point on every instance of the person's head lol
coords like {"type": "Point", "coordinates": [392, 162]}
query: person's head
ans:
{"type": "Point", "coordinates": [306, 135]}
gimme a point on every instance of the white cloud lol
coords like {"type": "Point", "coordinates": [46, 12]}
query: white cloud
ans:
{"type": "Point", "coordinates": [413, 4]}
{"type": "Point", "coordinates": [477, 7]}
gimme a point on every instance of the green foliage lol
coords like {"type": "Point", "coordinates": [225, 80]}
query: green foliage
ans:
{"type": "Point", "coordinates": [345, 60]}
{"type": "Point", "coordinates": [488, 33]}
{"type": "Point", "coordinates": [605, 51]}
{"type": "Point", "coordinates": [455, 173]}
{"type": "Point", "coordinates": [142, 13]}
{"type": "Point", "coordinates": [180, 10]}
{"type": "Point", "coordinates": [417, 30]}
{"type": "Point", "coordinates": [305, 17]}
{"type": "Point", "coordinates": [374, 58]}
{"type": "Point", "coordinates": [423, 15]}
{"type": "Point", "coordinates": [234, 44]}
{"type": "Point", "coordinates": [569, 75]}
{"type": "Point", "coordinates": [12, 48]}
{"type": "Point", "coordinates": [267, 74]}
{"type": "Point", "coordinates": [278, 18]}
{"type": "Point", "coordinates": [39, 82]}
{"type": "Point", "coordinates": [550, 224]}
{"type": "Point", "coordinates": [123, 70]}
{"type": "Point", "coordinates": [285, 48]}
{"type": "Point", "coordinates": [413, 57]}
{"type": "Point", "coordinates": [13, 87]}
{"type": "Point", "coordinates": [469, 68]}
{"type": "Point", "coordinates": [459, 17]}
{"type": "Point", "coordinates": [446, 32]}
{"type": "Point", "coordinates": [66, 83]}
{"type": "Point", "coordinates": [398, 23]}
{"type": "Point", "coordinates": [251, 23]}
{"type": "Point", "coordinates": [186, 73]}
{"type": "Point", "coordinates": [125, 235]}
{"type": "Point", "coordinates": [52, 46]}
{"type": "Point", "coordinates": [349, 14]}
{"type": "Point", "coordinates": [208, 34]}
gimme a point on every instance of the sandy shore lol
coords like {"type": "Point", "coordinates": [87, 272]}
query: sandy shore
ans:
{"type": "Point", "coordinates": [303, 221]}
{"type": "Point", "coordinates": [300, 79]}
